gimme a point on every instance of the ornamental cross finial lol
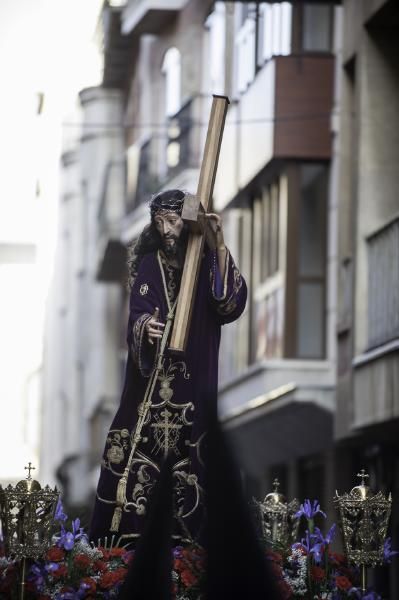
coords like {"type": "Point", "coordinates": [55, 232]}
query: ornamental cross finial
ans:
{"type": "Point", "coordinates": [29, 468]}
{"type": "Point", "coordinates": [363, 475]}
{"type": "Point", "coordinates": [276, 485]}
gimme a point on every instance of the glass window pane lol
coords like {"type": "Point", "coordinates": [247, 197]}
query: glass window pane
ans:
{"type": "Point", "coordinates": [310, 319]}
{"type": "Point", "coordinates": [286, 27]}
{"type": "Point", "coordinates": [274, 229]}
{"type": "Point", "coordinates": [311, 227]}
{"type": "Point", "coordinates": [268, 326]}
{"type": "Point", "coordinates": [316, 33]}
{"type": "Point", "coordinates": [276, 12]}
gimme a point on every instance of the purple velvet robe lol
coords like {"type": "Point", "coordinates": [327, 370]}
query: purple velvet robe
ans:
{"type": "Point", "coordinates": [184, 393]}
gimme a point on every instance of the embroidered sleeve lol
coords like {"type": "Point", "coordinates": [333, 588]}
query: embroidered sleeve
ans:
{"type": "Point", "coordinates": [143, 352]}
{"type": "Point", "coordinates": [144, 298]}
{"type": "Point", "coordinates": [228, 296]}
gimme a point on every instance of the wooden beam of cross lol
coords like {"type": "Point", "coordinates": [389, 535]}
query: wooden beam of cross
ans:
{"type": "Point", "coordinates": [193, 211]}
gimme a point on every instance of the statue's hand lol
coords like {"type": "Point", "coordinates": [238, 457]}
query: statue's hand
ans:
{"type": "Point", "coordinates": [154, 327]}
{"type": "Point", "coordinates": [215, 222]}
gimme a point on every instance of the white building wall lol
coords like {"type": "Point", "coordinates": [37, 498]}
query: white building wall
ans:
{"type": "Point", "coordinates": [82, 343]}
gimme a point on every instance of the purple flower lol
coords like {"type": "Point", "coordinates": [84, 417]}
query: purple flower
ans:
{"type": "Point", "coordinates": [305, 543]}
{"type": "Point", "coordinates": [83, 589]}
{"type": "Point", "coordinates": [358, 594]}
{"type": "Point", "coordinates": [59, 512]}
{"type": "Point", "coordinates": [388, 552]}
{"type": "Point", "coordinates": [67, 539]}
{"type": "Point", "coordinates": [177, 551]}
{"type": "Point", "coordinates": [50, 567]}
{"type": "Point", "coordinates": [70, 595]}
{"type": "Point", "coordinates": [329, 537]}
{"type": "Point", "coordinates": [309, 510]}
{"type": "Point", "coordinates": [317, 551]}
{"type": "Point", "coordinates": [37, 575]}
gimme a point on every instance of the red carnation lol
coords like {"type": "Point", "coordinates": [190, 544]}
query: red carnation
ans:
{"type": "Point", "coordinates": [60, 572]}
{"type": "Point", "coordinates": [188, 578]}
{"type": "Point", "coordinates": [117, 552]}
{"type": "Point", "coordinates": [119, 574]}
{"type": "Point", "coordinates": [90, 582]}
{"type": "Point", "coordinates": [128, 557]}
{"type": "Point", "coordinates": [106, 580]}
{"type": "Point", "coordinates": [343, 582]}
{"type": "Point", "coordinates": [82, 561]}
{"type": "Point", "coordinates": [104, 552]}
{"type": "Point", "coordinates": [111, 578]}
{"type": "Point", "coordinates": [55, 554]}
{"type": "Point", "coordinates": [100, 565]}
{"type": "Point", "coordinates": [179, 565]}
{"type": "Point", "coordinates": [337, 558]}
{"type": "Point", "coordinates": [318, 574]}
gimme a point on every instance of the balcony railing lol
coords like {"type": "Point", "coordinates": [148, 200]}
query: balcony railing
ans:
{"type": "Point", "coordinates": [179, 151]}
{"type": "Point", "coordinates": [383, 281]}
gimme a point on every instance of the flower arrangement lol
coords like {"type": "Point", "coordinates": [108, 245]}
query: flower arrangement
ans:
{"type": "Point", "coordinates": [310, 570]}
{"type": "Point", "coordinates": [73, 569]}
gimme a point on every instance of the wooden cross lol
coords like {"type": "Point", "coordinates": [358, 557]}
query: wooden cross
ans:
{"type": "Point", "coordinates": [193, 210]}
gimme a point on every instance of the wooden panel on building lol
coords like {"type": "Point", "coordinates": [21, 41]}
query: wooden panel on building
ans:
{"type": "Point", "coordinates": [303, 104]}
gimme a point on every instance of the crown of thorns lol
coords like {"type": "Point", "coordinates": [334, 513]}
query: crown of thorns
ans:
{"type": "Point", "coordinates": [162, 203]}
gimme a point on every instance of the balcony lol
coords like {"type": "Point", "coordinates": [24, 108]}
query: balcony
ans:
{"type": "Point", "coordinates": [149, 16]}
{"type": "Point", "coordinates": [284, 114]}
{"type": "Point", "coordinates": [279, 410]}
{"type": "Point", "coordinates": [383, 297]}
{"type": "Point", "coordinates": [180, 152]}
{"type": "Point", "coordinates": [376, 382]}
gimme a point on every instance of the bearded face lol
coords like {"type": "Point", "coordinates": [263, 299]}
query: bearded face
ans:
{"type": "Point", "coordinates": [169, 225]}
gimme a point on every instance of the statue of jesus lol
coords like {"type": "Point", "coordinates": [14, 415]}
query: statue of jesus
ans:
{"type": "Point", "coordinates": [166, 397]}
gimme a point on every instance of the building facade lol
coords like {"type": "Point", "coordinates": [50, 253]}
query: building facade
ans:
{"type": "Point", "coordinates": [366, 423]}
{"type": "Point", "coordinates": [305, 186]}
{"type": "Point", "coordinates": [143, 130]}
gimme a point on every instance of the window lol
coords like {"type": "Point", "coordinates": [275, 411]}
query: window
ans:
{"type": "Point", "coordinates": [268, 313]}
{"type": "Point", "coordinates": [383, 284]}
{"type": "Point", "coordinates": [274, 30]}
{"type": "Point", "coordinates": [311, 262]}
{"type": "Point", "coordinates": [245, 46]}
{"type": "Point", "coordinates": [234, 358]}
{"type": "Point", "coordinates": [215, 49]}
{"type": "Point", "coordinates": [289, 265]}
{"type": "Point", "coordinates": [171, 68]}
{"type": "Point", "coordinates": [317, 27]}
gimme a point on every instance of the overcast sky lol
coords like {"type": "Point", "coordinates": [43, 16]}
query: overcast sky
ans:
{"type": "Point", "coordinates": [46, 47]}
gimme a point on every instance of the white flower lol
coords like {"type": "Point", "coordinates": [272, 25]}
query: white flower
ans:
{"type": "Point", "coordinates": [298, 579]}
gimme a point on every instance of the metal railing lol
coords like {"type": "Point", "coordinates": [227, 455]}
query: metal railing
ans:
{"type": "Point", "coordinates": [178, 148]}
{"type": "Point", "coordinates": [178, 151]}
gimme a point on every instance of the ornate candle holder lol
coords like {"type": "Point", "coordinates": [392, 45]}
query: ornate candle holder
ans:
{"type": "Point", "coordinates": [27, 513]}
{"type": "Point", "coordinates": [364, 519]}
{"type": "Point", "coordinates": [276, 521]}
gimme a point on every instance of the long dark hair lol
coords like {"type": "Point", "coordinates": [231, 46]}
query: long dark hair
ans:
{"type": "Point", "coordinates": [150, 240]}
